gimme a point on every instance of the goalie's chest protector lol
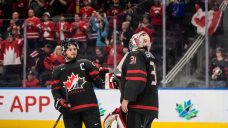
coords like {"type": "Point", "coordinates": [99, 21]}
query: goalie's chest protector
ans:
{"type": "Point", "coordinates": [75, 77]}
{"type": "Point", "coordinates": [139, 73]}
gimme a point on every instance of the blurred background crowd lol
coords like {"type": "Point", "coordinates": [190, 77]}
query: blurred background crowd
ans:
{"type": "Point", "coordinates": [42, 24]}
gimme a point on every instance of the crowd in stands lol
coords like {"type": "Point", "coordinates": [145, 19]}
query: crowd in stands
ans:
{"type": "Point", "coordinates": [46, 22]}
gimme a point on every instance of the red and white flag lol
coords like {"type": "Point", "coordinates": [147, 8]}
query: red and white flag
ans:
{"type": "Point", "coordinates": [199, 21]}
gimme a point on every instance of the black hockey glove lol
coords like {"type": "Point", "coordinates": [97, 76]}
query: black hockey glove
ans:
{"type": "Point", "coordinates": [62, 106]}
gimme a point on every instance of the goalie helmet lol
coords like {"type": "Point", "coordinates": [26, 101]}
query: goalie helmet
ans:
{"type": "Point", "coordinates": [139, 41]}
{"type": "Point", "coordinates": [65, 43]}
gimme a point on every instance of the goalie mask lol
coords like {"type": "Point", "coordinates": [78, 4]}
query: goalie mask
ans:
{"type": "Point", "coordinates": [140, 40]}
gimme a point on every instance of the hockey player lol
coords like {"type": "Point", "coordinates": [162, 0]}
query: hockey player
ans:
{"type": "Point", "coordinates": [139, 94]}
{"type": "Point", "coordinates": [73, 91]}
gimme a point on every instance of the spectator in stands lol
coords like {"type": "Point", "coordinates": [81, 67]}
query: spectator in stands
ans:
{"type": "Point", "coordinates": [15, 24]}
{"type": "Point", "coordinates": [101, 27]}
{"type": "Point", "coordinates": [78, 31]}
{"type": "Point", "coordinates": [58, 7]}
{"type": "Point", "coordinates": [53, 60]}
{"type": "Point", "coordinates": [20, 6]}
{"type": "Point", "coordinates": [71, 7]}
{"type": "Point", "coordinates": [15, 18]}
{"type": "Point", "coordinates": [2, 16]}
{"type": "Point", "coordinates": [62, 28]}
{"type": "Point", "coordinates": [86, 10]}
{"type": "Point", "coordinates": [6, 6]}
{"type": "Point", "coordinates": [47, 30]}
{"type": "Point", "coordinates": [31, 81]}
{"type": "Point", "coordinates": [109, 51]}
{"type": "Point", "coordinates": [126, 35]}
{"type": "Point", "coordinates": [129, 13]}
{"type": "Point", "coordinates": [37, 6]}
{"type": "Point", "coordinates": [99, 57]}
{"type": "Point", "coordinates": [36, 58]}
{"type": "Point", "coordinates": [218, 70]}
{"type": "Point", "coordinates": [32, 32]}
{"type": "Point", "coordinates": [11, 52]}
{"type": "Point", "coordinates": [114, 11]}
{"type": "Point", "coordinates": [146, 26]}
{"type": "Point", "coordinates": [156, 15]}
{"type": "Point", "coordinates": [178, 13]}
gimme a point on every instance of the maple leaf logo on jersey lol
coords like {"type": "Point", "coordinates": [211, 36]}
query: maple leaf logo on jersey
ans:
{"type": "Point", "coordinates": [11, 56]}
{"type": "Point", "coordinates": [74, 82]}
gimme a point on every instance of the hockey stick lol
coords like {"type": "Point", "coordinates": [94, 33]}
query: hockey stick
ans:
{"type": "Point", "coordinates": [57, 121]}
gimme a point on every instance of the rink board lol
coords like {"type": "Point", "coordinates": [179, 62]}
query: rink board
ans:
{"type": "Point", "coordinates": [49, 124]}
{"type": "Point", "coordinates": [33, 108]}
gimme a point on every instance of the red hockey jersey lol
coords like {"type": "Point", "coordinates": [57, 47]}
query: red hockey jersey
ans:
{"type": "Point", "coordinates": [47, 30]}
{"type": "Point", "coordinates": [33, 25]}
{"type": "Point", "coordinates": [156, 14]}
{"type": "Point", "coordinates": [60, 26]}
{"type": "Point", "coordinates": [110, 51]}
{"type": "Point", "coordinates": [86, 11]}
{"type": "Point", "coordinates": [11, 52]}
{"type": "Point", "coordinates": [78, 30]}
{"type": "Point", "coordinates": [53, 61]}
{"type": "Point", "coordinates": [33, 83]}
{"type": "Point", "coordinates": [114, 11]}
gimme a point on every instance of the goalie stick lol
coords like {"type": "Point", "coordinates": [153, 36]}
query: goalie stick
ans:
{"type": "Point", "coordinates": [119, 66]}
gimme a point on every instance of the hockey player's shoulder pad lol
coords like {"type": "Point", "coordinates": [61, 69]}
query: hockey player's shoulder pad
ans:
{"type": "Point", "coordinates": [86, 61]}
{"type": "Point", "coordinates": [91, 70]}
{"type": "Point", "coordinates": [56, 71]}
{"type": "Point", "coordinates": [90, 66]}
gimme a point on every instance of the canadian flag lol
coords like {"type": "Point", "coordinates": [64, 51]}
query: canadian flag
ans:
{"type": "Point", "coordinates": [199, 21]}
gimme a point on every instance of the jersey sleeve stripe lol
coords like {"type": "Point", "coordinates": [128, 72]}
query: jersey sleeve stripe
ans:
{"type": "Point", "coordinates": [94, 73]}
{"type": "Point", "coordinates": [54, 82]}
{"type": "Point", "coordinates": [83, 106]}
{"type": "Point", "coordinates": [136, 72]}
{"type": "Point", "coordinates": [34, 54]}
{"type": "Point", "coordinates": [136, 79]}
{"type": "Point", "coordinates": [144, 107]}
{"type": "Point", "coordinates": [56, 88]}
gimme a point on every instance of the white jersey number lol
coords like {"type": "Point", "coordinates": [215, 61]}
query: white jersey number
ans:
{"type": "Point", "coordinates": [153, 72]}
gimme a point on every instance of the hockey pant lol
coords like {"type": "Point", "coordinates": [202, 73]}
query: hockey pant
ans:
{"type": "Point", "coordinates": [137, 120]}
{"type": "Point", "coordinates": [90, 118]}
